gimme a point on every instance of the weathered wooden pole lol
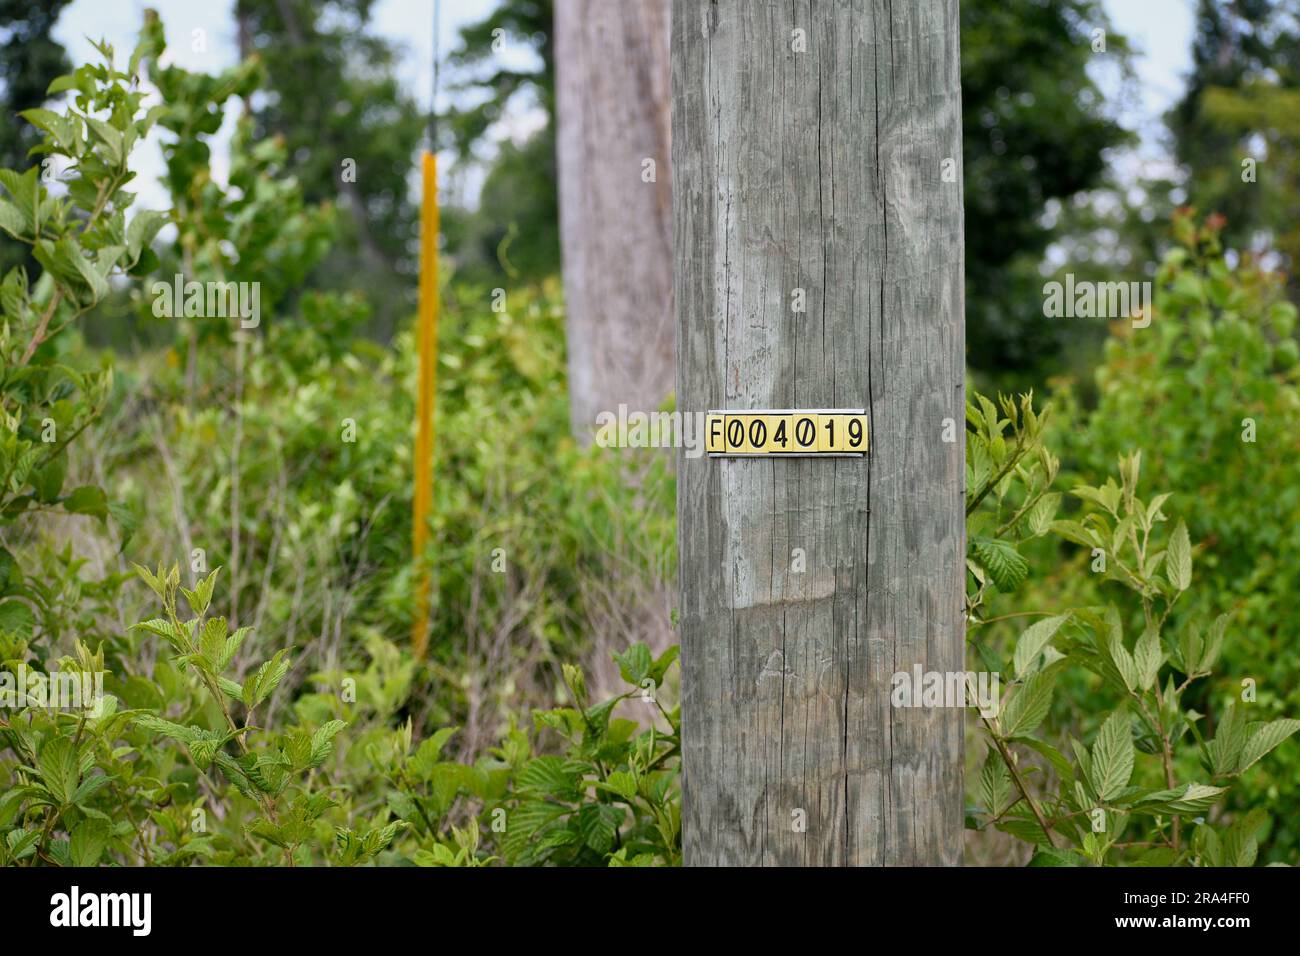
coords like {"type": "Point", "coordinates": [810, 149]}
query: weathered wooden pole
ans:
{"type": "Point", "coordinates": [819, 264]}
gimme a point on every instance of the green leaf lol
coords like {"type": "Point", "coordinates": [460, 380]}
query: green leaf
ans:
{"type": "Point", "coordinates": [1040, 517]}
{"type": "Point", "coordinates": [212, 642]}
{"type": "Point", "coordinates": [60, 769]}
{"type": "Point", "coordinates": [1264, 739]}
{"type": "Point", "coordinates": [322, 741]}
{"type": "Point", "coordinates": [87, 843]}
{"type": "Point", "coordinates": [549, 776]}
{"type": "Point", "coordinates": [1191, 798]}
{"type": "Point", "coordinates": [164, 629]}
{"type": "Point", "coordinates": [621, 783]}
{"type": "Point", "coordinates": [1225, 750]}
{"type": "Point", "coordinates": [1240, 843]}
{"type": "Point", "coordinates": [142, 229]}
{"type": "Point", "coordinates": [532, 815]}
{"type": "Point", "coordinates": [16, 618]}
{"type": "Point", "coordinates": [110, 137]}
{"type": "Point", "coordinates": [62, 129]}
{"type": "Point", "coordinates": [258, 686]}
{"type": "Point", "coordinates": [1029, 705]}
{"type": "Point", "coordinates": [1147, 658]}
{"type": "Point", "coordinates": [48, 481]}
{"type": "Point", "coordinates": [1033, 640]}
{"type": "Point", "coordinates": [1024, 828]}
{"type": "Point", "coordinates": [201, 596]}
{"type": "Point", "coordinates": [995, 783]}
{"type": "Point", "coordinates": [598, 823]}
{"type": "Point", "coordinates": [87, 500]}
{"type": "Point", "coordinates": [166, 727]}
{"type": "Point", "coordinates": [1178, 561]}
{"type": "Point", "coordinates": [1005, 565]}
{"type": "Point", "coordinates": [1123, 660]}
{"type": "Point", "coordinates": [61, 83]}
{"type": "Point", "coordinates": [13, 221]}
{"type": "Point", "coordinates": [1079, 534]}
{"type": "Point", "coordinates": [1057, 759]}
{"type": "Point", "coordinates": [1049, 856]}
{"type": "Point", "coordinates": [24, 189]}
{"type": "Point", "coordinates": [1112, 756]}
{"type": "Point", "coordinates": [634, 664]}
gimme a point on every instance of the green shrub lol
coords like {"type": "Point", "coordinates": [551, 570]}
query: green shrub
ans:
{"type": "Point", "coordinates": [1146, 790]}
{"type": "Point", "coordinates": [1209, 393]}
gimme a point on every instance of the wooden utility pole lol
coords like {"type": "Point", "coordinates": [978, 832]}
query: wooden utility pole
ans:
{"type": "Point", "coordinates": [816, 164]}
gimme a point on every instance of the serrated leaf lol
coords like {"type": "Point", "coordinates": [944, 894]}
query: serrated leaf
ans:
{"type": "Point", "coordinates": [1049, 856]}
{"type": "Point", "coordinates": [1123, 660]}
{"type": "Point", "coordinates": [88, 840]}
{"type": "Point", "coordinates": [1147, 658]}
{"type": "Point", "coordinates": [166, 727]}
{"type": "Point", "coordinates": [1057, 759]}
{"type": "Point", "coordinates": [549, 776]}
{"type": "Point", "coordinates": [1229, 742]}
{"type": "Point", "coordinates": [1112, 756]}
{"type": "Point", "coordinates": [1028, 705]}
{"type": "Point", "coordinates": [60, 769]}
{"type": "Point", "coordinates": [995, 783]}
{"type": "Point", "coordinates": [258, 685]}
{"type": "Point", "coordinates": [1033, 640]}
{"type": "Point", "coordinates": [322, 741]}
{"type": "Point", "coordinates": [1024, 828]}
{"type": "Point", "coordinates": [1042, 514]}
{"type": "Point", "coordinates": [634, 664]}
{"type": "Point", "coordinates": [1190, 798]}
{"type": "Point", "coordinates": [1005, 565]}
{"type": "Point", "coordinates": [1265, 738]}
{"type": "Point", "coordinates": [1178, 559]}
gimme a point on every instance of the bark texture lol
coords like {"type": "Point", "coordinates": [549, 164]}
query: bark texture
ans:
{"type": "Point", "coordinates": [822, 171]}
{"type": "Point", "coordinates": [612, 105]}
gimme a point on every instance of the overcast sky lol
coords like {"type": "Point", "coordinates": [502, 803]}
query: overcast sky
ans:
{"type": "Point", "coordinates": [1161, 31]}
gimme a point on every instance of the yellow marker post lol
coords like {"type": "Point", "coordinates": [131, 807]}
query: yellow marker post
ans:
{"type": "Point", "coordinates": [428, 345]}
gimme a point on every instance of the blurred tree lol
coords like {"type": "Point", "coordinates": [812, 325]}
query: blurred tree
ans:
{"type": "Point", "coordinates": [1243, 104]}
{"type": "Point", "coordinates": [351, 134]}
{"type": "Point", "coordinates": [616, 233]}
{"type": "Point", "coordinates": [29, 59]}
{"type": "Point", "coordinates": [528, 22]}
{"type": "Point", "coordinates": [1036, 128]}
{"type": "Point", "coordinates": [514, 229]}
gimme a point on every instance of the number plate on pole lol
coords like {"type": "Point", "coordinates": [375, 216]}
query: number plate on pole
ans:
{"type": "Point", "coordinates": [823, 432]}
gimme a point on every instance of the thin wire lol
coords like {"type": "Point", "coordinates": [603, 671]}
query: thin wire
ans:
{"type": "Point", "coordinates": [433, 106]}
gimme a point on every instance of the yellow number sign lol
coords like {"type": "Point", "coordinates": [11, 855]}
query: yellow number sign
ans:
{"type": "Point", "coordinates": [824, 432]}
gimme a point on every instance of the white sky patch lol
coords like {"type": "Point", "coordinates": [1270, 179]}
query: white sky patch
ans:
{"type": "Point", "coordinates": [1160, 31]}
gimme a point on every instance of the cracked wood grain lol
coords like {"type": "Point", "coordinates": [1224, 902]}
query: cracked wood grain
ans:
{"type": "Point", "coordinates": [819, 170]}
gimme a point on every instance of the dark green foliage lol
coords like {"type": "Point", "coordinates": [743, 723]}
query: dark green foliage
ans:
{"type": "Point", "coordinates": [1146, 789]}
{"type": "Point", "coordinates": [29, 59]}
{"type": "Point", "coordinates": [1034, 128]}
{"type": "Point", "coordinates": [1210, 394]}
{"type": "Point", "coordinates": [1243, 94]}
